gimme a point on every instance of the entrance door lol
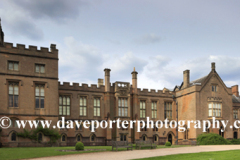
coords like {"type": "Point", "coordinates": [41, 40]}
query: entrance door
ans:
{"type": "Point", "coordinates": [235, 136]}
{"type": "Point", "coordinates": [170, 138]}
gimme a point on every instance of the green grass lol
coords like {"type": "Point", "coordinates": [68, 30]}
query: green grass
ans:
{"type": "Point", "coordinates": [34, 152]}
{"type": "Point", "coordinates": [219, 155]}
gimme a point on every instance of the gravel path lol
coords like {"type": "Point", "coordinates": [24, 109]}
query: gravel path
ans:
{"type": "Point", "coordinates": [124, 155]}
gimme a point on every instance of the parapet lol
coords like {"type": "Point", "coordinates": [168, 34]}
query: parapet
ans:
{"type": "Point", "coordinates": [21, 49]}
{"type": "Point", "coordinates": [152, 92]}
{"type": "Point", "coordinates": [83, 87]}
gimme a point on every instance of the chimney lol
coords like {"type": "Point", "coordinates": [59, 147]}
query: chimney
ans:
{"type": "Point", "coordinates": [186, 78]}
{"type": "Point", "coordinates": [235, 90]}
{"type": "Point", "coordinates": [134, 80]}
{"type": "Point", "coordinates": [213, 66]}
{"type": "Point", "coordinates": [107, 79]}
{"type": "Point", "coordinates": [100, 82]}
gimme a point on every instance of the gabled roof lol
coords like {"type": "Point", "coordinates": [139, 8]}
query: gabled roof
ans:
{"type": "Point", "coordinates": [199, 80]}
{"type": "Point", "coordinates": [235, 99]}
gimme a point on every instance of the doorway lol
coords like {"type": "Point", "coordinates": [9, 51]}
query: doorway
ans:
{"type": "Point", "coordinates": [170, 138]}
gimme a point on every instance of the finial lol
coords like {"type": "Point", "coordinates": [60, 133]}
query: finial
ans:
{"type": "Point", "coordinates": [133, 68]}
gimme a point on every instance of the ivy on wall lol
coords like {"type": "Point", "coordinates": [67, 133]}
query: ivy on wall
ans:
{"type": "Point", "coordinates": [33, 134]}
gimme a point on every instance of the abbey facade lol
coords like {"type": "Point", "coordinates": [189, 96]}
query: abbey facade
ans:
{"type": "Point", "coordinates": [30, 90]}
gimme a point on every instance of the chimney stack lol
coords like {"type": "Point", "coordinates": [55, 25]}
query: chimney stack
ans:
{"type": "Point", "coordinates": [213, 66]}
{"type": "Point", "coordinates": [235, 90]}
{"type": "Point", "coordinates": [134, 80]}
{"type": "Point", "coordinates": [100, 82]}
{"type": "Point", "coordinates": [186, 79]}
{"type": "Point", "coordinates": [107, 79]}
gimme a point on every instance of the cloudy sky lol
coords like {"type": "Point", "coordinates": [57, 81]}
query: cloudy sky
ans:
{"type": "Point", "coordinates": [161, 38]}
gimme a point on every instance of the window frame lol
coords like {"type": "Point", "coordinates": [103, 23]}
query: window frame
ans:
{"type": "Point", "coordinates": [235, 113]}
{"type": "Point", "coordinates": [66, 105]}
{"type": "Point", "coordinates": [214, 110]}
{"type": "Point", "coordinates": [39, 96]}
{"type": "Point", "coordinates": [40, 65]}
{"type": "Point", "coordinates": [168, 111]}
{"type": "Point", "coordinates": [15, 83]}
{"type": "Point", "coordinates": [142, 108]}
{"type": "Point", "coordinates": [83, 106]}
{"type": "Point", "coordinates": [123, 109]}
{"type": "Point", "coordinates": [98, 108]}
{"type": "Point", "coordinates": [154, 109]}
{"type": "Point", "coordinates": [14, 62]}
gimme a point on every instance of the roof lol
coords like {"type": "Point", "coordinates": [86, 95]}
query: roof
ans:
{"type": "Point", "coordinates": [235, 99]}
{"type": "Point", "coordinates": [199, 80]}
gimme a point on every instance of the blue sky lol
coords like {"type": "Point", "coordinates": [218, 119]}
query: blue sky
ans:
{"type": "Point", "coordinates": [160, 38]}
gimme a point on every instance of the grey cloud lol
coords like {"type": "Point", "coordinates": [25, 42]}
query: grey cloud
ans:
{"type": "Point", "coordinates": [148, 39]}
{"type": "Point", "coordinates": [54, 9]}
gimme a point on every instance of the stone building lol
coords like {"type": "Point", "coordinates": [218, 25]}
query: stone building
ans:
{"type": "Point", "coordinates": [29, 90]}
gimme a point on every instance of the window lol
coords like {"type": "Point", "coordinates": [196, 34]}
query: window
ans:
{"type": "Point", "coordinates": [168, 110]}
{"type": "Point", "coordinates": [123, 137]}
{"type": "Point", "coordinates": [235, 114]}
{"type": "Point", "coordinates": [40, 68]}
{"type": "Point", "coordinates": [143, 128]}
{"type": "Point", "coordinates": [155, 138]}
{"type": "Point", "coordinates": [154, 109]}
{"type": "Point", "coordinates": [96, 106]}
{"type": "Point", "coordinates": [214, 88]}
{"type": "Point", "coordinates": [39, 95]}
{"type": "Point", "coordinates": [220, 131]}
{"type": "Point", "coordinates": [13, 66]}
{"type": "Point", "coordinates": [14, 137]}
{"type": "Point", "coordinates": [144, 137]}
{"type": "Point", "coordinates": [186, 133]}
{"type": "Point", "coordinates": [39, 136]}
{"type": "Point", "coordinates": [64, 105]}
{"type": "Point", "coordinates": [79, 128]}
{"type": "Point", "coordinates": [214, 109]}
{"type": "Point", "coordinates": [83, 106]}
{"type": "Point", "coordinates": [63, 138]}
{"type": "Point", "coordinates": [92, 138]}
{"type": "Point", "coordinates": [78, 137]}
{"type": "Point", "coordinates": [122, 107]}
{"type": "Point", "coordinates": [13, 122]}
{"type": "Point", "coordinates": [155, 128]}
{"type": "Point", "coordinates": [13, 89]}
{"type": "Point", "coordinates": [142, 109]}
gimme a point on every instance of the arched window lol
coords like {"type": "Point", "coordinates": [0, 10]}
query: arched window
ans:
{"type": "Point", "coordinates": [14, 137]}
{"type": "Point", "coordinates": [40, 136]}
{"type": "Point", "coordinates": [93, 138]}
{"type": "Point", "coordinates": [220, 132]}
{"type": "Point", "coordinates": [155, 138]}
{"type": "Point", "coordinates": [144, 138]}
{"type": "Point", "coordinates": [78, 137]}
{"type": "Point", "coordinates": [63, 138]}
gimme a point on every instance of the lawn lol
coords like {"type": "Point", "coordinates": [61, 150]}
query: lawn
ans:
{"type": "Point", "coordinates": [34, 152]}
{"type": "Point", "coordinates": [219, 155]}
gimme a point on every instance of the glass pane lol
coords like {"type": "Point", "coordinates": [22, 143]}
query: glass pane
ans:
{"type": "Point", "coordinates": [84, 101]}
{"type": "Point", "coordinates": [64, 110]}
{"type": "Point", "coordinates": [119, 111]}
{"type": "Point", "coordinates": [42, 102]}
{"type": "Point", "coordinates": [119, 102]}
{"type": "Point", "coordinates": [143, 105]}
{"type": "Point", "coordinates": [98, 111]}
{"type": "Point", "coordinates": [95, 102]}
{"type": "Point", "coordinates": [64, 100]}
{"type": "Point", "coordinates": [16, 101]}
{"type": "Point", "coordinates": [10, 89]}
{"type": "Point", "coordinates": [122, 102]}
{"type": "Point", "coordinates": [37, 91]}
{"type": "Point", "coordinates": [16, 89]}
{"type": "Point", "coordinates": [152, 105]}
{"type": "Point", "coordinates": [60, 100]}
{"type": "Point", "coordinates": [98, 102]}
{"type": "Point", "coordinates": [84, 111]}
{"type": "Point", "coordinates": [10, 98]}
{"type": "Point", "coordinates": [210, 105]}
{"type": "Point", "coordinates": [37, 102]}
{"type": "Point", "coordinates": [140, 105]}
{"type": "Point", "coordinates": [81, 101]}
{"type": "Point", "coordinates": [95, 112]}
{"type": "Point", "coordinates": [170, 104]}
{"type": "Point", "coordinates": [15, 66]}
{"type": "Point", "coordinates": [68, 110]}
{"type": "Point", "coordinates": [60, 110]}
{"type": "Point", "coordinates": [42, 90]}
{"type": "Point", "coordinates": [126, 103]}
{"type": "Point", "coordinates": [141, 114]}
{"type": "Point", "coordinates": [10, 66]}
{"type": "Point", "coordinates": [126, 112]}
{"type": "Point", "coordinates": [42, 69]}
{"type": "Point", "coordinates": [37, 68]}
{"type": "Point", "coordinates": [81, 111]}
{"type": "Point", "coordinates": [68, 100]}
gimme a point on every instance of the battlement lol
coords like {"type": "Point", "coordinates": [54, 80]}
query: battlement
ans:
{"type": "Point", "coordinates": [21, 49]}
{"type": "Point", "coordinates": [153, 92]}
{"type": "Point", "coordinates": [83, 87]}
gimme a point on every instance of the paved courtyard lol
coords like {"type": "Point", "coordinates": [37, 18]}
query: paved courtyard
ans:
{"type": "Point", "coordinates": [124, 155]}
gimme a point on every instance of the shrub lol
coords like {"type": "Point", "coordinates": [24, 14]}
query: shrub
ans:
{"type": "Point", "coordinates": [79, 146]}
{"type": "Point", "coordinates": [168, 144]}
{"type": "Point", "coordinates": [211, 139]}
{"type": "Point", "coordinates": [235, 141]}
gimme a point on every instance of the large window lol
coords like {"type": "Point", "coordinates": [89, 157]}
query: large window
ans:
{"type": "Point", "coordinates": [64, 105]}
{"type": "Point", "coordinates": [123, 137]}
{"type": "Point", "coordinates": [168, 110]}
{"type": "Point", "coordinates": [39, 95]}
{"type": "Point", "coordinates": [214, 88]}
{"type": "Point", "coordinates": [40, 68]}
{"type": "Point", "coordinates": [142, 109]}
{"type": "Point", "coordinates": [214, 109]}
{"type": "Point", "coordinates": [235, 114]}
{"type": "Point", "coordinates": [123, 107]}
{"type": "Point", "coordinates": [13, 89]}
{"type": "Point", "coordinates": [83, 106]}
{"type": "Point", "coordinates": [154, 109]}
{"type": "Point", "coordinates": [13, 65]}
{"type": "Point", "coordinates": [96, 106]}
